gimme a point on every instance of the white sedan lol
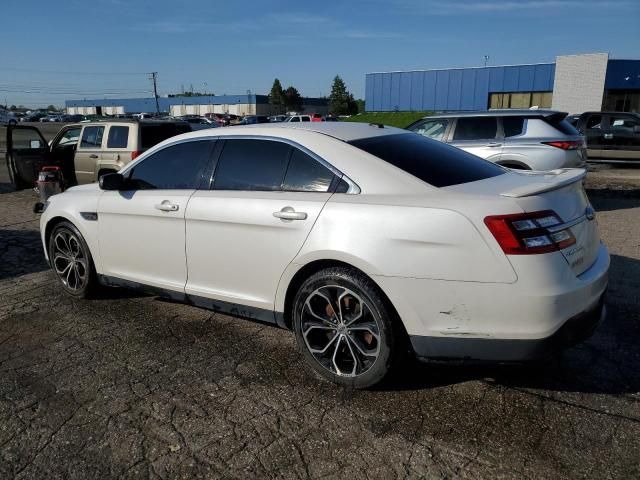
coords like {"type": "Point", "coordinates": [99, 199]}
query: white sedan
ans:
{"type": "Point", "coordinates": [367, 241]}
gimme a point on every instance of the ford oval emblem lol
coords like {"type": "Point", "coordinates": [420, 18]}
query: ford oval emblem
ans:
{"type": "Point", "coordinates": [590, 213]}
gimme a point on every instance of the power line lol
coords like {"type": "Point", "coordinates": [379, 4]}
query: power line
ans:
{"type": "Point", "coordinates": [58, 72]}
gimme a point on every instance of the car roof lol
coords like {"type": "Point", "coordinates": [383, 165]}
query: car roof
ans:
{"type": "Point", "coordinates": [344, 131]}
{"type": "Point", "coordinates": [500, 113]}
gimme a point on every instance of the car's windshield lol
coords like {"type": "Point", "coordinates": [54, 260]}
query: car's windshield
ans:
{"type": "Point", "coordinates": [433, 162]}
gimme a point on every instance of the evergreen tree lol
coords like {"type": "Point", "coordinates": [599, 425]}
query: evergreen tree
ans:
{"type": "Point", "coordinates": [341, 102]}
{"type": "Point", "coordinates": [276, 97]}
{"type": "Point", "coordinates": [292, 99]}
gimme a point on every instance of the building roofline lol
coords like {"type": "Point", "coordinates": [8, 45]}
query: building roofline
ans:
{"type": "Point", "coordinates": [464, 68]}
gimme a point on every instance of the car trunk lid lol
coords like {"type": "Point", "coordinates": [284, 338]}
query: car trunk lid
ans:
{"type": "Point", "coordinates": [562, 192]}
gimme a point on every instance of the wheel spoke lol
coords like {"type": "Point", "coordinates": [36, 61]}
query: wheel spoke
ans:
{"type": "Point", "coordinates": [360, 308]}
{"type": "Point", "coordinates": [356, 360]}
{"type": "Point", "coordinates": [69, 272]}
{"type": "Point", "coordinates": [74, 246]}
{"type": "Point", "coordinates": [335, 354]}
{"type": "Point", "coordinates": [62, 244]}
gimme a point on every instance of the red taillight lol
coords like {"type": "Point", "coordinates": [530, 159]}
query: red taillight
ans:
{"type": "Point", "coordinates": [529, 233]}
{"type": "Point", "coordinates": [135, 154]}
{"type": "Point", "coordinates": [572, 145]}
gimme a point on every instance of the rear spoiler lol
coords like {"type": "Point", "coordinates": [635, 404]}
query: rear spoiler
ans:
{"type": "Point", "coordinates": [546, 181]}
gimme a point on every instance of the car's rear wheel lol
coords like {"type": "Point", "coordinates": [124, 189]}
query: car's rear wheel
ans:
{"type": "Point", "coordinates": [71, 260]}
{"type": "Point", "coordinates": [345, 329]}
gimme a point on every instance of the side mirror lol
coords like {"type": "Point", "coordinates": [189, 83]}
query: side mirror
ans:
{"type": "Point", "coordinates": [111, 181]}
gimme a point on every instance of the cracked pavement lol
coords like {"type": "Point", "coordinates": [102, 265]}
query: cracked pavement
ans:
{"type": "Point", "coordinates": [130, 386]}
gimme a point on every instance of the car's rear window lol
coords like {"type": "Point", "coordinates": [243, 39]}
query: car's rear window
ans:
{"type": "Point", "coordinates": [433, 162]}
{"type": "Point", "coordinates": [154, 133]}
{"type": "Point", "coordinates": [562, 125]}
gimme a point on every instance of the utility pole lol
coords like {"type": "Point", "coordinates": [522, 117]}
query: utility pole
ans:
{"type": "Point", "coordinates": [154, 76]}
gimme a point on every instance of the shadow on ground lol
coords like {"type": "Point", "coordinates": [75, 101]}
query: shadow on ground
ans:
{"type": "Point", "coordinates": [20, 253]}
{"type": "Point", "coordinates": [609, 199]}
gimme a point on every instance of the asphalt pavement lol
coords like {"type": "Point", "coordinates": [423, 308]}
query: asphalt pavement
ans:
{"type": "Point", "coordinates": [131, 386]}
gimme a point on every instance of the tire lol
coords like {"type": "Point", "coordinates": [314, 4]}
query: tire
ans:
{"type": "Point", "coordinates": [358, 345]}
{"type": "Point", "coordinates": [12, 122]}
{"type": "Point", "coordinates": [71, 260]}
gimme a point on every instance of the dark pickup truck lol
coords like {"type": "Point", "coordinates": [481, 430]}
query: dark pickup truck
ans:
{"type": "Point", "coordinates": [611, 135]}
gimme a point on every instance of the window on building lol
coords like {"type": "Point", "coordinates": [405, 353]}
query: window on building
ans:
{"type": "Point", "coordinates": [621, 101]}
{"type": "Point", "coordinates": [475, 128]}
{"type": "Point", "coordinates": [541, 99]}
{"type": "Point", "coordinates": [520, 100]}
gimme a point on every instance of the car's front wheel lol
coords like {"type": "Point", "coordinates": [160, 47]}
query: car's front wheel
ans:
{"type": "Point", "coordinates": [345, 329]}
{"type": "Point", "coordinates": [71, 260]}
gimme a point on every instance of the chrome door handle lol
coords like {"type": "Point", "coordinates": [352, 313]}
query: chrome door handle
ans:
{"type": "Point", "coordinates": [494, 144]}
{"type": "Point", "coordinates": [93, 156]}
{"type": "Point", "coordinates": [608, 136]}
{"type": "Point", "coordinates": [289, 213]}
{"type": "Point", "coordinates": [167, 206]}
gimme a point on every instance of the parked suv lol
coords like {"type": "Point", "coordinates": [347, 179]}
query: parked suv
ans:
{"type": "Point", "coordinates": [299, 118]}
{"type": "Point", "coordinates": [611, 135]}
{"type": "Point", "coordinates": [521, 139]}
{"type": "Point", "coordinates": [84, 151]}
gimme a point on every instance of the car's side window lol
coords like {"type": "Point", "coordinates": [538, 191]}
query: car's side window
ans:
{"type": "Point", "coordinates": [118, 137]}
{"type": "Point", "coordinates": [434, 129]}
{"type": "Point", "coordinates": [176, 167]}
{"type": "Point", "coordinates": [594, 121]}
{"type": "Point", "coordinates": [248, 164]}
{"type": "Point", "coordinates": [306, 174]}
{"type": "Point", "coordinates": [295, 119]}
{"type": "Point", "coordinates": [479, 128]}
{"type": "Point", "coordinates": [92, 137]}
{"type": "Point", "coordinates": [623, 122]}
{"type": "Point", "coordinates": [69, 138]}
{"type": "Point", "coordinates": [513, 126]}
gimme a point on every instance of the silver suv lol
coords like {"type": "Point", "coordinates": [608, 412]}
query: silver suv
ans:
{"type": "Point", "coordinates": [521, 139]}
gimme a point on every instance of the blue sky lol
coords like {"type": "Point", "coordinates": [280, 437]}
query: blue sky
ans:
{"type": "Point", "coordinates": [52, 50]}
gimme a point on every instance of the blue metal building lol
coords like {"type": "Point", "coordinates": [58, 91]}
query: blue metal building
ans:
{"type": "Point", "coordinates": [512, 86]}
{"type": "Point", "coordinates": [453, 89]}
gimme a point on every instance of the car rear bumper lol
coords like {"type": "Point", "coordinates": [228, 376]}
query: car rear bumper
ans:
{"type": "Point", "coordinates": [515, 321]}
{"type": "Point", "coordinates": [575, 330]}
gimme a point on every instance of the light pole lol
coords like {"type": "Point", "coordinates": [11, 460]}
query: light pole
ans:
{"type": "Point", "coordinates": [486, 58]}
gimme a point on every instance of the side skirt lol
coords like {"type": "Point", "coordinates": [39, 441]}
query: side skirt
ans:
{"type": "Point", "coordinates": [237, 310]}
